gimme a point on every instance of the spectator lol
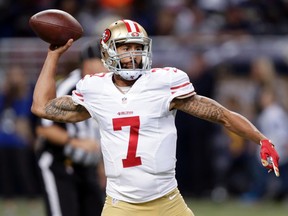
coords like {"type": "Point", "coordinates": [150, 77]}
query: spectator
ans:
{"type": "Point", "coordinates": [273, 121]}
{"type": "Point", "coordinates": [18, 176]}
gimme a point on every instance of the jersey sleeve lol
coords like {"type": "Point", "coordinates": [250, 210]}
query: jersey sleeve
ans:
{"type": "Point", "coordinates": [180, 85]}
{"type": "Point", "coordinates": [78, 94]}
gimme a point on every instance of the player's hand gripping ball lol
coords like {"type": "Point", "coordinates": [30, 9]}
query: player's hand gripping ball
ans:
{"type": "Point", "coordinates": [269, 156]}
{"type": "Point", "coordinates": [55, 27]}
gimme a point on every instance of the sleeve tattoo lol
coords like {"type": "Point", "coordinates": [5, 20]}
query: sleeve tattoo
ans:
{"type": "Point", "coordinates": [63, 108]}
{"type": "Point", "coordinates": [208, 109]}
{"type": "Point", "coordinates": [202, 107]}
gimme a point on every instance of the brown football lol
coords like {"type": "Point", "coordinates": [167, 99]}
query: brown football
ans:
{"type": "Point", "coordinates": [55, 27]}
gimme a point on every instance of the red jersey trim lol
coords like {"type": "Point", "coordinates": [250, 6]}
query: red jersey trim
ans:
{"type": "Point", "coordinates": [79, 95]}
{"type": "Point", "coordinates": [180, 86]}
{"type": "Point", "coordinates": [186, 95]}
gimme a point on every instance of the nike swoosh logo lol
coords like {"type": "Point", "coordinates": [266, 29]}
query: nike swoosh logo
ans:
{"type": "Point", "coordinates": [172, 197]}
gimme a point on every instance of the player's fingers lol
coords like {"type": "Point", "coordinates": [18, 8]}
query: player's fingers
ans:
{"type": "Point", "coordinates": [69, 42]}
{"type": "Point", "coordinates": [276, 171]}
{"type": "Point", "coordinates": [271, 165]}
{"type": "Point", "coordinates": [275, 167]}
{"type": "Point", "coordinates": [265, 163]}
{"type": "Point", "coordinates": [61, 48]}
{"type": "Point", "coordinates": [66, 46]}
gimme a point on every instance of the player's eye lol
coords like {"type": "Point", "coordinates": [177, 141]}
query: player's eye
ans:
{"type": "Point", "coordinates": [139, 48]}
{"type": "Point", "coordinates": [124, 48]}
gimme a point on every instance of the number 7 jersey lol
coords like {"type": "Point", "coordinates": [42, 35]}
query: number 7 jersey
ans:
{"type": "Point", "coordinates": [138, 133]}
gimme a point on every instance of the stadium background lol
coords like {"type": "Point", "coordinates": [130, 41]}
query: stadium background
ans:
{"type": "Point", "coordinates": [223, 38]}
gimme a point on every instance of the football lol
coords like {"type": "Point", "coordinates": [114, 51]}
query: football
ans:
{"type": "Point", "coordinates": [55, 27]}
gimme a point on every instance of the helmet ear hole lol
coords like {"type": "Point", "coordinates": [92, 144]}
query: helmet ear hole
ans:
{"type": "Point", "coordinates": [111, 52]}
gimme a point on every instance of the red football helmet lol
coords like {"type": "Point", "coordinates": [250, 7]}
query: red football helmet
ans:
{"type": "Point", "coordinates": [126, 31]}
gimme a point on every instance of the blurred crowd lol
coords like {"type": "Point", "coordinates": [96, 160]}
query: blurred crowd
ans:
{"type": "Point", "coordinates": [211, 162]}
{"type": "Point", "coordinates": [163, 17]}
{"type": "Point", "coordinates": [232, 165]}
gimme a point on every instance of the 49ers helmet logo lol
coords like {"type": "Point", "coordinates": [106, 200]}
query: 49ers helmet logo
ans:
{"type": "Point", "coordinates": [106, 35]}
{"type": "Point", "coordinates": [135, 34]}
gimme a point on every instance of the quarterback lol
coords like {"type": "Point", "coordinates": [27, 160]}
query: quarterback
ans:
{"type": "Point", "coordinates": [135, 107]}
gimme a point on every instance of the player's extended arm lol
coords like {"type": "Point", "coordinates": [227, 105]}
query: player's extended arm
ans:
{"type": "Point", "coordinates": [208, 109]}
{"type": "Point", "coordinates": [45, 104]}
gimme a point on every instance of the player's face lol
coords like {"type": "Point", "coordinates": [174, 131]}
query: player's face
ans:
{"type": "Point", "coordinates": [128, 61]}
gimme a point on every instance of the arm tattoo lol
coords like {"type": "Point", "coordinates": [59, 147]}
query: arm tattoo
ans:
{"type": "Point", "coordinates": [203, 107]}
{"type": "Point", "coordinates": [209, 109]}
{"type": "Point", "coordinates": [62, 108]}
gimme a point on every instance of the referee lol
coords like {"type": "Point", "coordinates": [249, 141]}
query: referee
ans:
{"type": "Point", "coordinates": [69, 157]}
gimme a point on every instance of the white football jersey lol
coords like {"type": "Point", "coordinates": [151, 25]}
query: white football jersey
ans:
{"type": "Point", "coordinates": [138, 133]}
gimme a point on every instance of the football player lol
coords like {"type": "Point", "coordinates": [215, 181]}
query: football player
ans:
{"type": "Point", "coordinates": [135, 107]}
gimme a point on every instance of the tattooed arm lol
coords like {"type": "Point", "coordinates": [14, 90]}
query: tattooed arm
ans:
{"type": "Point", "coordinates": [45, 104]}
{"type": "Point", "coordinates": [208, 109]}
{"type": "Point", "coordinates": [63, 109]}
